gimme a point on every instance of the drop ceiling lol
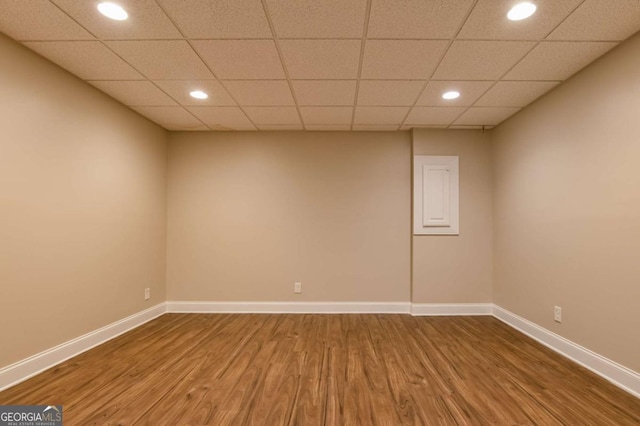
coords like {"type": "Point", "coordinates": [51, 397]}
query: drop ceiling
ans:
{"type": "Point", "coordinates": [322, 64]}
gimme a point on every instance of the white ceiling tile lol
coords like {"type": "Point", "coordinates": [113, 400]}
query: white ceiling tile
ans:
{"type": "Point", "coordinates": [328, 127]}
{"type": "Point", "coordinates": [600, 20]}
{"type": "Point", "coordinates": [89, 60]}
{"type": "Point", "coordinates": [389, 92]}
{"type": "Point", "coordinates": [326, 115]}
{"type": "Point", "coordinates": [515, 93]}
{"type": "Point", "coordinates": [38, 20]}
{"type": "Point", "coordinates": [180, 89]}
{"type": "Point", "coordinates": [219, 19]}
{"type": "Point", "coordinates": [324, 92]}
{"type": "Point", "coordinates": [433, 115]}
{"type": "Point", "coordinates": [241, 59]}
{"type": "Point", "coordinates": [320, 43]}
{"type": "Point", "coordinates": [171, 118]}
{"type": "Point", "coordinates": [485, 116]}
{"type": "Point", "coordinates": [146, 20]}
{"type": "Point", "coordinates": [488, 21]}
{"type": "Point", "coordinates": [401, 59]}
{"type": "Point", "coordinates": [557, 60]}
{"type": "Point", "coordinates": [135, 93]}
{"type": "Point", "coordinates": [272, 127]}
{"type": "Point", "coordinates": [222, 118]}
{"type": "Point", "coordinates": [318, 18]}
{"type": "Point", "coordinates": [374, 128]}
{"type": "Point", "coordinates": [162, 59]}
{"type": "Point", "coordinates": [416, 19]}
{"type": "Point", "coordinates": [260, 92]}
{"type": "Point", "coordinates": [481, 60]}
{"type": "Point", "coordinates": [273, 115]}
{"type": "Point", "coordinates": [321, 59]}
{"type": "Point", "coordinates": [380, 115]}
{"type": "Point", "coordinates": [470, 91]}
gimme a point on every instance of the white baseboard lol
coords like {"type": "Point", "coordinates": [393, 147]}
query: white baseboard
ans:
{"type": "Point", "coordinates": [333, 308]}
{"type": "Point", "coordinates": [291, 307]}
{"type": "Point", "coordinates": [617, 374]}
{"type": "Point", "coordinates": [451, 309]}
{"type": "Point", "coordinates": [416, 309]}
{"type": "Point", "coordinates": [22, 370]}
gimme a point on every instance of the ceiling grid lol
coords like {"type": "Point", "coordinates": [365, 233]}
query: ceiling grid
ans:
{"type": "Point", "coordinates": [322, 64]}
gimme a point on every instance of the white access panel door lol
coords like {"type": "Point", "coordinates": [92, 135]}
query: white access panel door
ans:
{"type": "Point", "coordinates": [435, 195]}
{"type": "Point", "coordinates": [436, 199]}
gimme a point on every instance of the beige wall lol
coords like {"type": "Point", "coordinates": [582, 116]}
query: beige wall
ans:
{"type": "Point", "coordinates": [251, 213]}
{"type": "Point", "coordinates": [82, 207]}
{"type": "Point", "coordinates": [567, 208]}
{"type": "Point", "coordinates": [450, 268]}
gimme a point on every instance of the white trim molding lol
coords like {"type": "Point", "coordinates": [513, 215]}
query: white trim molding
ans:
{"type": "Point", "coordinates": [451, 309]}
{"type": "Point", "coordinates": [291, 307]}
{"type": "Point", "coordinates": [617, 374]}
{"type": "Point", "coordinates": [22, 370]}
{"type": "Point", "coordinates": [415, 309]}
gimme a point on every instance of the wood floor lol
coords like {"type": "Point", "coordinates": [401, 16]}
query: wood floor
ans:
{"type": "Point", "coordinates": [325, 370]}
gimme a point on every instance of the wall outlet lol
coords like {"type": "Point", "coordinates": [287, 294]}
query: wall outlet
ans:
{"type": "Point", "coordinates": [147, 293]}
{"type": "Point", "coordinates": [557, 314]}
{"type": "Point", "coordinates": [297, 287]}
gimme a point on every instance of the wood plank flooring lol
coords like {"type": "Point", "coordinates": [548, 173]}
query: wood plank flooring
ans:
{"type": "Point", "coordinates": [203, 369]}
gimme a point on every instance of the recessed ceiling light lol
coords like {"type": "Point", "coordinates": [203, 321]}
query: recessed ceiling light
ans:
{"type": "Point", "coordinates": [451, 95]}
{"type": "Point", "coordinates": [199, 94]}
{"type": "Point", "coordinates": [113, 11]}
{"type": "Point", "coordinates": [521, 11]}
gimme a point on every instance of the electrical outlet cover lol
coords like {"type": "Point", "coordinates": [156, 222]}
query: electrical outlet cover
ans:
{"type": "Point", "coordinates": [557, 314]}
